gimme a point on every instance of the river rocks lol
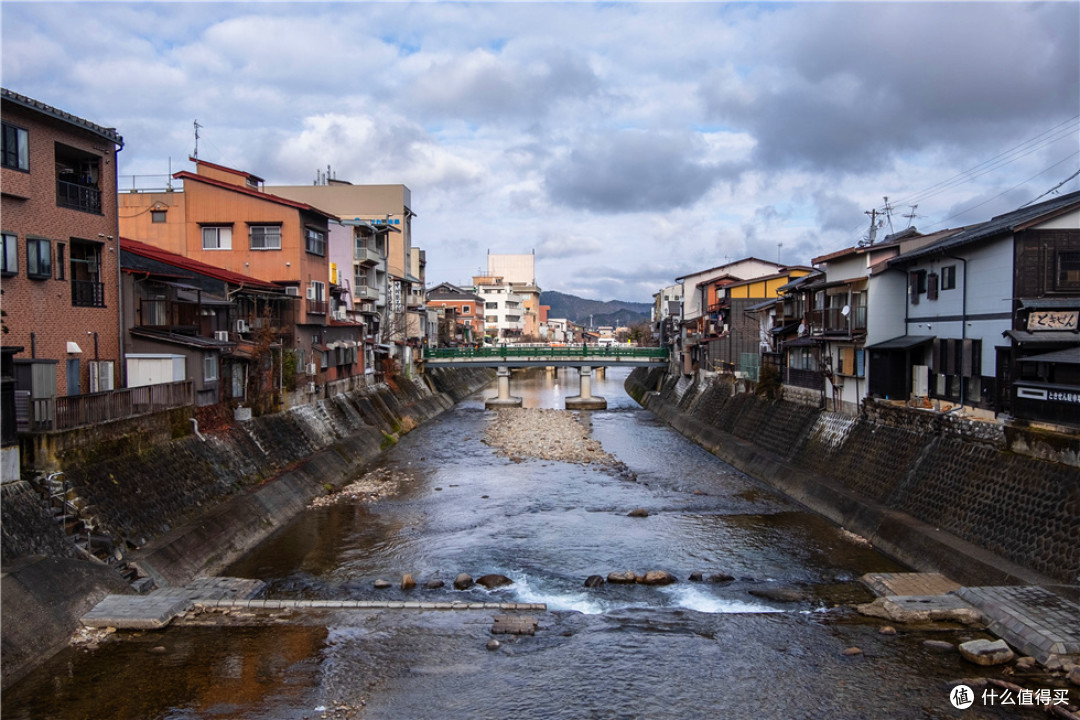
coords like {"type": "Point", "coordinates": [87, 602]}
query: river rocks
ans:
{"type": "Point", "coordinates": [1074, 675]}
{"type": "Point", "coordinates": [779, 593]}
{"type": "Point", "coordinates": [720, 577]}
{"type": "Point", "coordinates": [594, 581]}
{"type": "Point", "coordinates": [1025, 663]}
{"type": "Point", "coordinates": [852, 651]}
{"type": "Point", "coordinates": [938, 646]}
{"type": "Point", "coordinates": [622, 578]}
{"type": "Point", "coordinates": [544, 434]}
{"type": "Point", "coordinates": [381, 584]}
{"type": "Point", "coordinates": [433, 584]}
{"type": "Point", "coordinates": [492, 581]}
{"type": "Point", "coordinates": [463, 581]}
{"type": "Point", "coordinates": [407, 582]}
{"type": "Point", "coordinates": [638, 513]}
{"type": "Point", "coordinates": [886, 630]}
{"type": "Point", "coordinates": [493, 644]}
{"type": "Point", "coordinates": [696, 576]}
{"type": "Point", "coordinates": [986, 652]}
{"type": "Point", "coordinates": [658, 577]}
{"type": "Point", "coordinates": [372, 486]}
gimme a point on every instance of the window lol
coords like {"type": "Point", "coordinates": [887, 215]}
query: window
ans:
{"type": "Point", "coordinates": [916, 285]}
{"type": "Point", "coordinates": [210, 364]}
{"type": "Point", "coordinates": [157, 216]}
{"type": "Point", "coordinates": [948, 278]}
{"type": "Point", "coordinates": [10, 257]}
{"type": "Point", "coordinates": [491, 306]}
{"type": "Point", "coordinates": [265, 237]}
{"type": "Point", "coordinates": [60, 266]}
{"type": "Point", "coordinates": [38, 258]}
{"type": "Point", "coordinates": [932, 286]}
{"type": "Point", "coordinates": [16, 150]}
{"type": "Point", "coordinates": [217, 237]}
{"type": "Point", "coordinates": [314, 241]}
{"type": "Point", "coordinates": [316, 291]}
{"type": "Point", "coordinates": [466, 309]}
{"type": "Point", "coordinates": [1068, 271]}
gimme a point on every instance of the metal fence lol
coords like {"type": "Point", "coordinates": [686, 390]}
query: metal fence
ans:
{"type": "Point", "coordinates": [72, 411]}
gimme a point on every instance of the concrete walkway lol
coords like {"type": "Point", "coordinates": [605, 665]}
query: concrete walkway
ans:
{"type": "Point", "coordinates": [1033, 620]}
{"type": "Point", "coordinates": [159, 608]}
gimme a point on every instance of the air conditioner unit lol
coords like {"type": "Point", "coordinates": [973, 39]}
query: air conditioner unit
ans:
{"type": "Point", "coordinates": [920, 380]}
{"type": "Point", "coordinates": [294, 291]}
{"type": "Point", "coordinates": [222, 335]}
{"type": "Point", "coordinates": [311, 292]}
{"type": "Point", "coordinates": [101, 376]}
{"type": "Point", "coordinates": [312, 369]}
{"type": "Point", "coordinates": [339, 314]}
{"type": "Point", "coordinates": [241, 326]}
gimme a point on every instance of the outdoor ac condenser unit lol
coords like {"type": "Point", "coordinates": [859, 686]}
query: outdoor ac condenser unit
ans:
{"type": "Point", "coordinates": [222, 335]}
{"type": "Point", "coordinates": [312, 369]}
{"type": "Point", "coordinates": [294, 291]}
{"type": "Point", "coordinates": [241, 326]}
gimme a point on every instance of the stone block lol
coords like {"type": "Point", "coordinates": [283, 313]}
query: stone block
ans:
{"type": "Point", "coordinates": [986, 652]}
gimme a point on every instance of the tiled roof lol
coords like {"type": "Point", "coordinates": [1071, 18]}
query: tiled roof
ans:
{"type": "Point", "coordinates": [109, 134]}
{"type": "Point", "coordinates": [1000, 225]}
{"type": "Point", "coordinates": [186, 176]}
{"type": "Point", "coordinates": [179, 261]}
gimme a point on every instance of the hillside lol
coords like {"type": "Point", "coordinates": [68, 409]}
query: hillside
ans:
{"type": "Point", "coordinates": [602, 312]}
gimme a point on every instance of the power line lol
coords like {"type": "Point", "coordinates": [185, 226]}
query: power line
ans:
{"type": "Point", "coordinates": [1052, 189]}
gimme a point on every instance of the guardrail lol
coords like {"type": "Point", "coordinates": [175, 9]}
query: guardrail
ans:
{"type": "Point", "coordinates": [72, 411]}
{"type": "Point", "coordinates": [568, 352]}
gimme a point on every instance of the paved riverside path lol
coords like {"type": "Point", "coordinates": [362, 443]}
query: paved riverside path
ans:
{"type": "Point", "coordinates": [1033, 620]}
{"type": "Point", "coordinates": [158, 608]}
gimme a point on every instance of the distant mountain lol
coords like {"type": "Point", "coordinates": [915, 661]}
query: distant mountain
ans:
{"type": "Point", "coordinates": [579, 310]}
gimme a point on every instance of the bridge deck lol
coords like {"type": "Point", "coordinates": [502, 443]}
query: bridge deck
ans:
{"type": "Point", "coordinates": [534, 356]}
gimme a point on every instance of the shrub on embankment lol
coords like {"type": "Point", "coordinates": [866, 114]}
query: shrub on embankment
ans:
{"type": "Point", "coordinates": [950, 473]}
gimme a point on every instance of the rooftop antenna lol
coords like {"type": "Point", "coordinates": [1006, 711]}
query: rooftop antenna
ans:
{"type": "Point", "coordinates": [911, 215]}
{"type": "Point", "coordinates": [779, 246]}
{"type": "Point", "coordinates": [888, 213]}
{"type": "Point", "coordinates": [197, 126]}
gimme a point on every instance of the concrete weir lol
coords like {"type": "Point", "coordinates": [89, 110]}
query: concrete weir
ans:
{"type": "Point", "coordinates": [192, 506]}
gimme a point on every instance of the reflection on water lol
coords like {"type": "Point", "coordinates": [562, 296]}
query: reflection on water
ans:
{"type": "Point", "coordinates": [708, 649]}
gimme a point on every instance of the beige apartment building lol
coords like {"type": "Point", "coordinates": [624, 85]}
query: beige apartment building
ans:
{"type": "Point", "coordinates": [511, 297]}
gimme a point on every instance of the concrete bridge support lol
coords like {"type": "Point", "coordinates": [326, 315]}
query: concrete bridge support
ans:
{"type": "Point", "coordinates": [585, 400]}
{"type": "Point", "coordinates": [503, 399]}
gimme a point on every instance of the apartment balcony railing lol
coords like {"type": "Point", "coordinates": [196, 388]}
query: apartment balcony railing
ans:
{"type": "Point", "coordinates": [316, 307]}
{"type": "Point", "coordinates": [86, 293]}
{"type": "Point", "coordinates": [833, 321]}
{"type": "Point", "coordinates": [367, 256]}
{"type": "Point", "coordinates": [414, 301]}
{"type": "Point", "coordinates": [78, 197]}
{"type": "Point", "coordinates": [363, 292]}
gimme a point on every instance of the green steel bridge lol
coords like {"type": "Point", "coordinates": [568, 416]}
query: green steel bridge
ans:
{"type": "Point", "coordinates": [546, 356]}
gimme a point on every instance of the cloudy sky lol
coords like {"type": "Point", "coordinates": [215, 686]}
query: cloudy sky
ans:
{"type": "Point", "coordinates": [626, 143]}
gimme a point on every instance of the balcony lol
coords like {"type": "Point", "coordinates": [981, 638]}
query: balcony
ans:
{"type": "Point", "coordinates": [316, 307]}
{"type": "Point", "coordinates": [832, 321]}
{"type": "Point", "coordinates": [86, 293]}
{"type": "Point", "coordinates": [363, 292]}
{"type": "Point", "coordinates": [367, 256]}
{"type": "Point", "coordinates": [414, 301]}
{"type": "Point", "coordinates": [78, 197]}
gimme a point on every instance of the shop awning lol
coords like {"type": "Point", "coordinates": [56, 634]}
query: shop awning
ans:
{"type": "Point", "coordinates": [1068, 356]}
{"type": "Point", "coordinates": [1051, 337]}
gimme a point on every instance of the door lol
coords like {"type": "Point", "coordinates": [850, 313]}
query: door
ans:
{"type": "Point", "coordinates": [74, 386]}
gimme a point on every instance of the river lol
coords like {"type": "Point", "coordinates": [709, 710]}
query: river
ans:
{"type": "Point", "coordinates": [686, 650]}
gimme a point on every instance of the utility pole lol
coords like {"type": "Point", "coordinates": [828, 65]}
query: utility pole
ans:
{"type": "Point", "coordinates": [911, 215]}
{"type": "Point", "coordinates": [197, 126]}
{"type": "Point", "coordinates": [872, 235]}
{"type": "Point", "coordinates": [888, 214]}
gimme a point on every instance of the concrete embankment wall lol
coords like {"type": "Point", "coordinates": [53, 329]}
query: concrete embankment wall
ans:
{"type": "Point", "coordinates": [936, 492]}
{"type": "Point", "coordinates": [190, 506]}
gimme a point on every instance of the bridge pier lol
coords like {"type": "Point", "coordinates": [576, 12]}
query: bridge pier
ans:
{"type": "Point", "coordinates": [503, 399]}
{"type": "Point", "coordinates": [585, 400]}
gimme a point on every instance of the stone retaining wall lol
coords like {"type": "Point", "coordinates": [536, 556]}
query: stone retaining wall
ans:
{"type": "Point", "coordinates": [188, 506]}
{"type": "Point", "coordinates": [937, 492]}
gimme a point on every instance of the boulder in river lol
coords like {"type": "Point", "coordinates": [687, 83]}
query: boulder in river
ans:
{"type": "Point", "coordinates": [986, 652]}
{"type": "Point", "coordinates": [720, 577]}
{"type": "Point", "coordinates": [697, 576]}
{"type": "Point", "coordinates": [778, 593]}
{"type": "Point", "coordinates": [434, 584]}
{"type": "Point", "coordinates": [463, 581]}
{"type": "Point", "coordinates": [594, 581]}
{"type": "Point", "coordinates": [494, 580]}
{"type": "Point", "coordinates": [638, 513]}
{"type": "Point", "coordinates": [408, 582]}
{"type": "Point", "coordinates": [381, 584]}
{"type": "Point", "coordinates": [658, 577]}
{"type": "Point", "coordinates": [624, 577]}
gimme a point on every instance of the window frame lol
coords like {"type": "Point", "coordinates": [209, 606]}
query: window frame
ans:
{"type": "Point", "coordinates": [1060, 283]}
{"type": "Point", "coordinates": [948, 277]}
{"type": "Point", "coordinates": [9, 251]}
{"type": "Point", "coordinates": [319, 236]}
{"type": "Point", "coordinates": [217, 234]}
{"type": "Point", "coordinates": [20, 153]}
{"type": "Point", "coordinates": [38, 273]}
{"type": "Point", "coordinates": [263, 228]}
{"type": "Point", "coordinates": [159, 216]}
{"type": "Point", "coordinates": [210, 367]}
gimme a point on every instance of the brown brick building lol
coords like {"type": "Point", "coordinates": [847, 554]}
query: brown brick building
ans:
{"type": "Point", "coordinates": [60, 264]}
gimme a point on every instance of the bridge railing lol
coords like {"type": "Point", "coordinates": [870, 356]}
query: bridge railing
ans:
{"type": "Point", "coordinates": [567, 352]}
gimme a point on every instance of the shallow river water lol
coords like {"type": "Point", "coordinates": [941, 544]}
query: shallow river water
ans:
{"type": "Point", "coordinates": [688, 650]}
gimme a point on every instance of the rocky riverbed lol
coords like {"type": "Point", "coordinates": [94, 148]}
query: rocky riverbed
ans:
{"type": "Point", "coordinates": [370, 487]}
{"type": "Point", "coordinates": [544, 434]}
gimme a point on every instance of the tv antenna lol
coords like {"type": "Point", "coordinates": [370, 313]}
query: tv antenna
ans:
{"type": "Point", "coordinates": [888, 213]}
{"type": "Point", "coordinates": [197, 126]}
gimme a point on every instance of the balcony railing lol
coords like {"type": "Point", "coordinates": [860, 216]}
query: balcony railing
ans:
{"type": "Point", "coordinates": [316, 307]}
{"type": "Point", "coordinates": [367, 256]}
{"type": "Point", "coordinates": [87, 293]}
{"type": "Point", "coordinates": [72, 411]}
{"type": "Point", "coordinates": [810, 379]}
{"type": "Point", "coordinates": [363, 292]}
{"type": "Point", "coordinates": [834, 321]}
{"type": "Point", "coordinates": [78, 197]}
